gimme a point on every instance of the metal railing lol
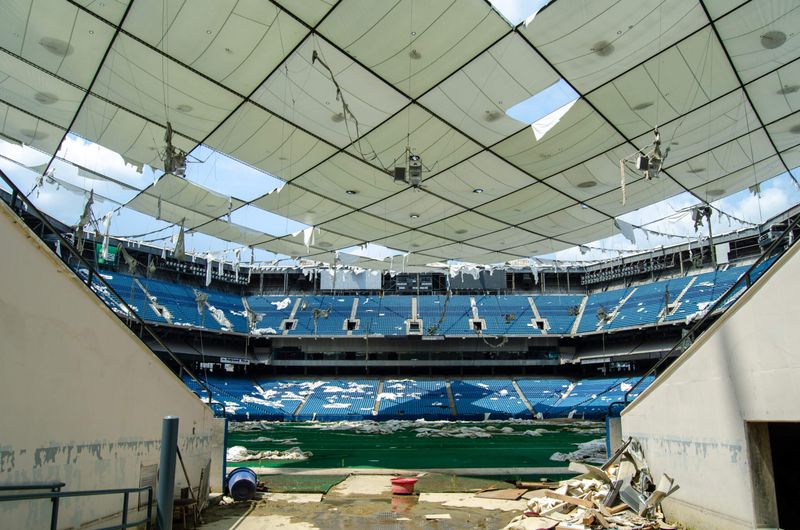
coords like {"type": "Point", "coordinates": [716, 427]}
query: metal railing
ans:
{"type": "Point", "coordinates": [55, 495]}
{"type": "Point", "coordinates": [93, 275]}
{"type": "Point", "coordinates": [744, 279]}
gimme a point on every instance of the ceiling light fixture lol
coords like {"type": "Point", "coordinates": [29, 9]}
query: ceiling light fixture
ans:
{"type": "Point", "coordinates": [414, 216]}
{"type": "Point", "coordinates": [351, 192]}
{"type": "Point", "coordinates": [477, 190]}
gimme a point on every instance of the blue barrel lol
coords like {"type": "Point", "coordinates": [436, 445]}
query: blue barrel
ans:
{"type": "Point", "coordinates": [242, 483]}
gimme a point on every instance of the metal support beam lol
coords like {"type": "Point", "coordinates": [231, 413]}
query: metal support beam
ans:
{"type": "Point", "coordinates": [166, 472]}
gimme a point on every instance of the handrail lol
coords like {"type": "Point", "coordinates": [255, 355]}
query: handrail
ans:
{"type": "Point", "coordinates": [32, 486]}
{"type": "Point", "coordinates": [56, 496]}
{"type": "Point", "coordinates": [93, 274]}
{"type": "Point", "coordinates": [744, 278]}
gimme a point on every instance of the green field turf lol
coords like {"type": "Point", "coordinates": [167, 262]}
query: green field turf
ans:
{"type": "Point", "coordinates": [404, 450]}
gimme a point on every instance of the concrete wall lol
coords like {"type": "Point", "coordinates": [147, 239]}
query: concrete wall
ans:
{"type": "Point", "coordinates": [82, 397]}
{"type": "Point", "coordinates": [692, 421]}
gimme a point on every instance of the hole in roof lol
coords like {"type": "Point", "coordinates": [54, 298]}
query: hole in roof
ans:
{"type": "Point", "coordinates": [587, 184]}
{"type": "Point", "coordinates": [183, 107]}
{"type": "Point", "coordinates": [103, 162]}
{"type": "Point", "coordinates": [642, 106]}
{"type": "Point", "coordinates": [223, 174]}
{"type": "Point", "coordinates": [788, 89]}
{"type": "Point", "coordinates": [414, 54]}
{"type": "Point", "coordinates": [773, 39]}
{"type": "Point", "coordinates": [544, 110]}
{"type": "Point", "coordinates": [716, 192]}
{"type": "Point", "coordinates": [515, 11]}
{"type": "Point", "coordinates": [795, 129]}
{"type": "Point", "coordinates": [338, 117]}
{"type": "Point", "coordinates": [372, 251]}
{"type": "Point", "coordinates": [324, 244]}
{"type": "Point", "coordinates": [461, 231]}
{"type": "Point", "coordinates": [696, 170]}
{"type": "Point", "coordinates": [263, 221]}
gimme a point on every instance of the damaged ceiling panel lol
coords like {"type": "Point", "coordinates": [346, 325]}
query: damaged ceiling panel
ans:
{"type": "Point", "coordinates": [331, 97]}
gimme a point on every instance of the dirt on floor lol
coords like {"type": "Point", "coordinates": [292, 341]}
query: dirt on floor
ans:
{"type": "Point", "coordinates": [362, 512]}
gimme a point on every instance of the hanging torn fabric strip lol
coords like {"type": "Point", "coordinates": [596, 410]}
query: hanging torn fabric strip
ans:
{"type": "Point", "coordinates": [626, 229]}
{"type": "Point", "coordinates": [180, 245]}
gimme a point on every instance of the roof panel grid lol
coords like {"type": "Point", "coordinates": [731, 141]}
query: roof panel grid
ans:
{"type": "Point", "coordinates": [639, 192]}
{"type": "Point", "coordinates": [316, 82]}
{"type": "Point", "coordinates": [415, 241]}
{"type": "Point", "coordinates": [413, 45]}
{"type": "Point", "coordinates": [761, 36]}
{"type": "Point", "coordinates": [593, 41]}
{"type": "Point", "coordinates": [233, 42]}
{"type": "Point", "coordinates": [438, 145]}
{"type": "Point", "coordinates": [37, 92]}
{"type": "Point", "coordinates": [268, 142]}
{"type": "Point", "coordinates": [302, 205]}
{"type": "Point", "coordinates": [477, 180]}
{"type": "Point", "coordinates": [309, 11]}
{"type": "Point", "coordinates": [414, 207]}
{"type": "Point", "coordinates": [786, 132]}
{"type": "Point", "coordinates": [152, 85]}
{"type": "Point", "coordinates": [739, 180]}
{"type": "Point", "coordinates": [777, 94]}
{"type": "Point", "coordinates": [475, 99]}
{"type": "Point", "coordinates": [349, 180]}
{"type": "Point", "coordinates": [56, 36]}
{"type": "Point", "coordinates": [681, 78]}
{"type": "Point", "coordinates": [529, 203]}
{"type": "Point", "coordinates": [136, 139]}
{"type": "Point", "coordinates": [463, 226]}
{"type": "Point", "coordinates": [705, 128]}
{"type": "Point", "coordinates": [722, 160]}
{"type": "Point", "coordinates": [502, 240]}
{"type": "Point", "coordinates": [362, 227]}
{"type": "Point", "coordinates": [580, 135]}
{"type": "Point", "coordinates": [565, 220]}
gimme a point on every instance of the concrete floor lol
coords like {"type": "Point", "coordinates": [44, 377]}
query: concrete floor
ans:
{"type": "Point", "coordinates": [362, 502]}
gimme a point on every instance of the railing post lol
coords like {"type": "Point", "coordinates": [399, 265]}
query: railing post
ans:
{"type": "Point", "coordinates": [166, 472]}
{"type": "Point", "coordinates": [54, 514]}
{"type": "Point", "coordinates": [125, 509]}
{"type": "Point", "coordinates": [149, 508]}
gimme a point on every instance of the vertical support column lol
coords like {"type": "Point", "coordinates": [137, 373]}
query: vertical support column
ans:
{"type": "Point", "coordinates": [166, 472]}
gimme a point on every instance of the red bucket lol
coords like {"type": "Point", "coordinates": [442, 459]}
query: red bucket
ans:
{"type": "Point", "coordinates": [403, 486]}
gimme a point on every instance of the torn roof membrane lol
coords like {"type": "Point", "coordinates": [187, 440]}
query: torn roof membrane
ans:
{"type": "Point", "coordinates": [545, 103]}
{"type": "Point", "coordinates": [226, 175]}
{"type": "Point", "coordinates": [267, 222]}
{"type": "Point", "coordinates": [516, 11]}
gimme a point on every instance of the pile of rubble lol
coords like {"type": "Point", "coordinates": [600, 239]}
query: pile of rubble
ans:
{"type": "Point", "coordinates": [619, 494]}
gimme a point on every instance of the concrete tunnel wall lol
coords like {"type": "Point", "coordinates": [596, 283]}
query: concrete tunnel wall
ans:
{"type": "Point", "coordinates": [82, 397]}
{"type": "Point", "coordinates": [692, 420]}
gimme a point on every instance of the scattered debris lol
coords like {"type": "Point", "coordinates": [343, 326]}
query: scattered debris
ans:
{"type": "Point", "coordinates": [239, 453]}
{"type": "Point", "coordinates": [620, 494]}
{"type": "Point", "coordinates": [591, 451]}
{"type": "Point", "coordinates": [509, 494]}
{"type": "Point", "coordinates": [436, 516]}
